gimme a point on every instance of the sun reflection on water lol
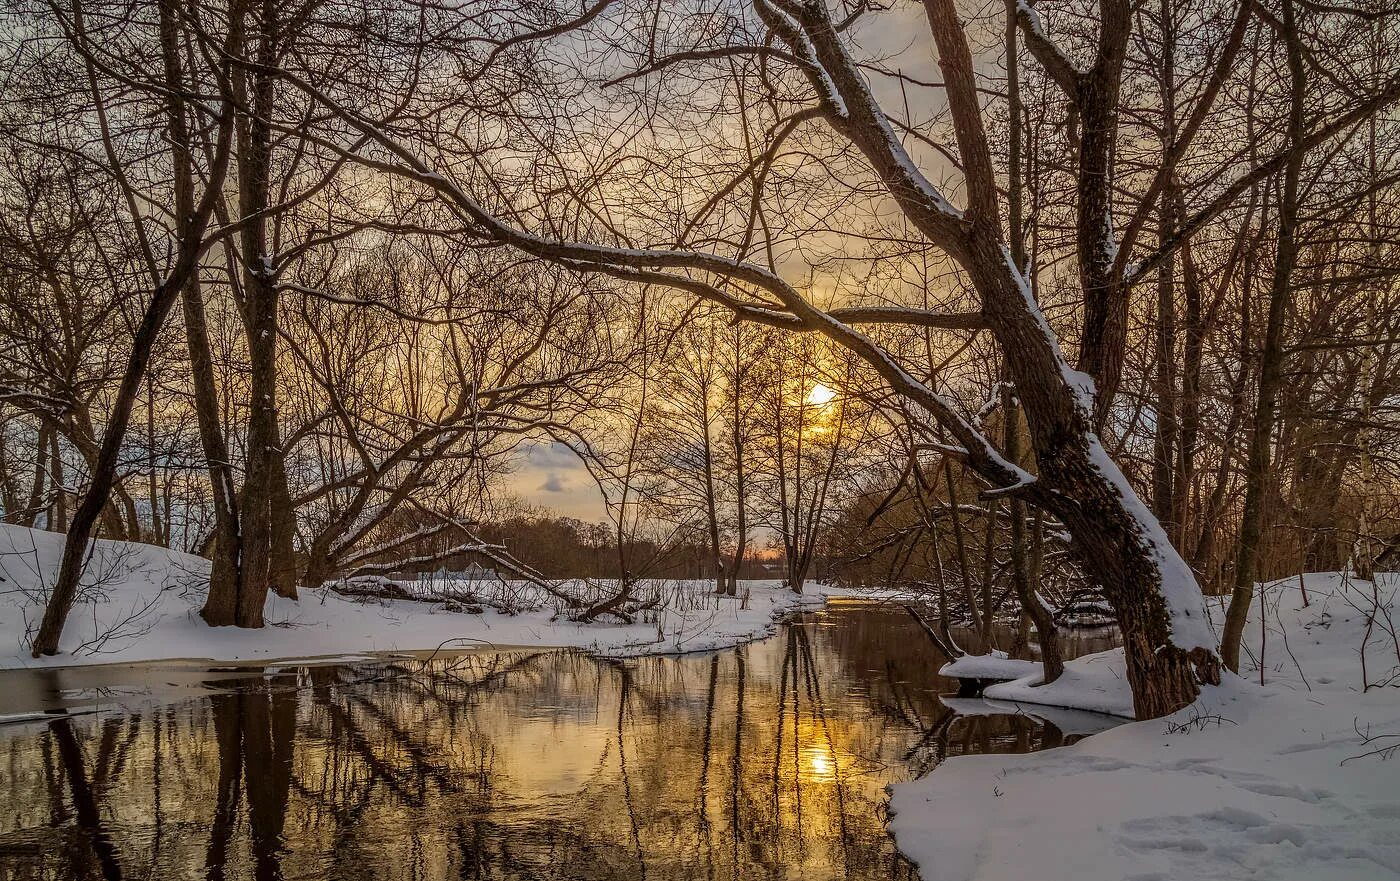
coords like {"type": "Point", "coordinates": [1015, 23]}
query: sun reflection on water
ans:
{"type": "Point", "coordinates": [819, 763]}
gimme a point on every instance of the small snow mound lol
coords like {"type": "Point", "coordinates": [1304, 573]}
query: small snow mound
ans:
{"type": "Point", "coordinates": [1097, 683]}
{"type": "Point", "coordinates": [997, 665]}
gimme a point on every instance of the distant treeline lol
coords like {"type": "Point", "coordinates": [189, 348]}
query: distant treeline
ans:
{"type": "Point", "coordinates": [559, 547]}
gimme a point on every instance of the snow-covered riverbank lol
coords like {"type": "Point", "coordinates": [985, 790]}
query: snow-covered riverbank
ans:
{"type": "Point", "coordinates": [145, 603]}
{"type": "Point", "coordinates": [1293, 779]}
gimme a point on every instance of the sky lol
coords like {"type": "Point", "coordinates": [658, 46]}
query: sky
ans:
{"type": "Point", "coordinates": [549, 475]}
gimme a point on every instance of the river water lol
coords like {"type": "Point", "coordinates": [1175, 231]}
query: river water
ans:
{"type": "Point", "coordinates": [765, 761]}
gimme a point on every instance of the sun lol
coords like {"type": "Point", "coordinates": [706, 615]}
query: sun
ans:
{"type": "Point", "coordinates": [820, 395]}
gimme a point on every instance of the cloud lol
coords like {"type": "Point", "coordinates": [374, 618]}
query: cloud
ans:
{"type": "Point", "coordinates": [553, 484]}
{"type": "Point", "coordinates": [554, 456]}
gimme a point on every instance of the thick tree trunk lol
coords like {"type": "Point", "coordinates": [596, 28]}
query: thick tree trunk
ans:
{"type": "Point", "coordinates": [1146, 582]}
{"type": "Point", "coordinates": [1103, 338]}
{"type": "Point", "coordinates": [1168, 645]}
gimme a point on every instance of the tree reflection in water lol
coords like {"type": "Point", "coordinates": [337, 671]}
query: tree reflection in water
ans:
{"type": "Point", "coordinates": [766, 761]}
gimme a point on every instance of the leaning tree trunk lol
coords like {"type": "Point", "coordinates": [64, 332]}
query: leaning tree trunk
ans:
{"type": "Point", "coordinates": [1167, 643]}
{"type": "Point", "coordinates": [104, 471]}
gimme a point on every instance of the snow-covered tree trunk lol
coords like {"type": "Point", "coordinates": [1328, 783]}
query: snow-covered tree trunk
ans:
{"type": "Point", "coordinates": [1169, 646]}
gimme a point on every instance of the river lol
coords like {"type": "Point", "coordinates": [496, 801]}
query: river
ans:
{"type": "Point", "coordinates": [766, 761]}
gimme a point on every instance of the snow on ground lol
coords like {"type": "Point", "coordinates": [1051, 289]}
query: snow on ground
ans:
{"type": "Point", "coordinates": [141, 603]}
{"type": "Point", "coordinates": [997, 665]}
{"type": "Point", "coordinates": [1296, 779]}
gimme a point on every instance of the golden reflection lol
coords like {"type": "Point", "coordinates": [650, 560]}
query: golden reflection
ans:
{"type": "Point", "coordinates": [766, 761]}
{"type": "Point", "coordinates": [820, 763]}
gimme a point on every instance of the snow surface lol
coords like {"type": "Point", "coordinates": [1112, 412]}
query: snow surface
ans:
{"type": "Point", "coordinates": [141, 603]}
{"type": "Point", "coordinates": [1278, 781]}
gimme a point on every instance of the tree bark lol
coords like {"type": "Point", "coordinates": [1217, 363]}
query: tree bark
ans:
{"type": "Point", "coordinates": [1126, 554]}
{"type": "Point", "coordinates": [1166, 437]}
{"type": "Point", "coordinates": [741, 527]}
{"type": "Point", "coordinates": [259, 315]}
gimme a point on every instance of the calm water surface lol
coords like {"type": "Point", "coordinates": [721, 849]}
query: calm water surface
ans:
{"type": "Point", "coordinates": [766, 761]}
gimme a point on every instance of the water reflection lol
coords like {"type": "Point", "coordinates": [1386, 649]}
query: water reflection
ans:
{"type": "Point", "coordinates": [768, 761]}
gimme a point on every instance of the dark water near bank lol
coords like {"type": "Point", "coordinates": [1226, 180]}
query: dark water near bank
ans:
{"type": "Point", "coordinates": [767, 761]}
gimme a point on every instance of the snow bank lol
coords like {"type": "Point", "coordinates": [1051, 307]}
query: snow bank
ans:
{"type": "Point", "coordinates": [141, 603]}
{"type": "Point", "coordinates": [1069, 722]}
{"type": "Point", "coordinates": [1293, 779]}
{"type": "Point", "coordinates": [997, 665]}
